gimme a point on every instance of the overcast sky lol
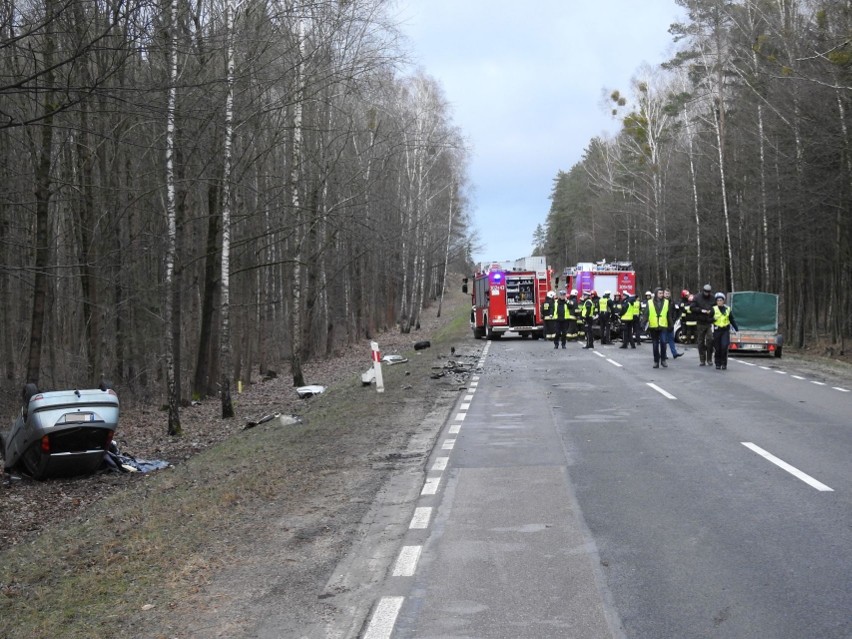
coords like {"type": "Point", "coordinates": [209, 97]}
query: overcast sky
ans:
{"type": "Point", "coordinates": [526, 82]}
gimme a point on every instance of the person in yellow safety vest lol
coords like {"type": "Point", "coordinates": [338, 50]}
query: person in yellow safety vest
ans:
{"type": "Point", "coordinates": [546, 312]}
{"type": "Point", "coordinates": [589, 313]}
{"type": "Point", "coordinates": [605, 309]}
{"type": "Point", "coordinates": [723, 320]}
{"type": "Point", "coordinates": [574, 312]}
{"type": "Point", "coordinates": [629, 317]}
{"type": "Point", "coordinates": [560, 316]}
{"type": "Point", "coordinates": [660, 316]}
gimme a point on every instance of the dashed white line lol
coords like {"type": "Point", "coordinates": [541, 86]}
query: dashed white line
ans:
{"type": "Point", "coordinates": [797, 377]}
{"type": "Point", "coordinates": [781, 372]}
{"type": "Point", "coordinates": [465, 406]}
{"type": "Point", "coordinates": [384, 618]}
{"type": "Point", "coordinates": [766, 368]}
{"type": "Point", "coordinates": [813, 381]}
{"type": "Point", "coordinates": [440, 463]}
{"type": "Point", "coordinates": [421, 517]}
{"type": "Point", "coordinates": [468, 398]}
{"type": "Point", "coordinates": [430, 487]}
{"type": "Point", "coordinates": [460, 417]}
{"type": "Point", "coordinates": [842, 390]}
{"type": "Point", "coordinates": [790, 469]}
{"type": "Point", "coordinates": [406, 562]}
{"type": "Point", "coordinates": [665, 394]}
{"type": "Point", "coordinates": [599, 354]}
{"type": "Point", "coordinates": [454, 429]}
{"type": "Point", "coordinates": [448, 444]}
{"type": "Point", "coordinates": [614, 363]}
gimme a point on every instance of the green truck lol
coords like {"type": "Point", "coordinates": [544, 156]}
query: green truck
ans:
{"type": "Point", "coordinates": [756, 314]}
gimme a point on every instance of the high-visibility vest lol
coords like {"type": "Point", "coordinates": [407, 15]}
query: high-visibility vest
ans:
{"type": "Point", "coordinates": [566, 312]}
{"type": "Point", "coordinates": [604, 304]}
{"type": "Point", "coordinates": [631, 310]}
{"type": "Point", "coordinates": [588, 309]}
{"type": "Point", "coordinates": [661, 320]}
{"type": "Point", "coordinates": [721, 316]}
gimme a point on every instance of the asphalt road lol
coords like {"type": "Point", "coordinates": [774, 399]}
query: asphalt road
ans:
{"type": "Point", "coordinates": [584, 494]}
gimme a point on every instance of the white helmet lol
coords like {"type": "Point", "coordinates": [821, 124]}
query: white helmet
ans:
{"type": "Point", "coordinates": [607, 293]}
{"type": "Point", "coordinates": [551, 294]}
{"type": "Point", "coordinates": [720, 295]}
{"type": "Point", "coordinates": [573, 291]}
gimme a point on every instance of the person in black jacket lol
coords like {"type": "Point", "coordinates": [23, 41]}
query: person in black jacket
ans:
{"type": "Point", "coordinates": [561, 315]}
{"type": "Point", "coordinates": [701, 311]}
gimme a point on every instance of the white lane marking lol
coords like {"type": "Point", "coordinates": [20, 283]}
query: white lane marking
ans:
{"type": "Point", "coordinates": [508, 415]}
{"type": "Point", "coordinates": [440, 463]}
{"type": "Point", "coordinates": [745, 363]}
{"type": "Point", "coordinates": [817, 383]}
{"type": "Point", "coordinates": [421, 517]}
{"type": "Point", "coordinates": [599, 354]}
{"type": "Point", "coordinates": [406, 563]}
{"type": "Point", "coordinates": [431, 486]}
{"type": "Point", "coordinates": [842, 390]}
{"type": "Point", "coordinates": [468, 398]}
{"type": "Point", "coordinates": [465, 406]}
{"type": "Point", "coordinates": [384, 618]}
{"type": "Point", "coordinates": [661, 391]}
{"type": "Point", "coordinates": [785, 466]}
{"type": "Point", "coordinates": [454, 429]}
{"type": "Point", "coordinates": [614, 363]}
{"type": "Point", "coordinates": [766, 368]}
{"type": "Point", "coordinates": [797, 377]}
{"type": "Point", "coordinates": [781, 372]}
{"type": "Point", "coordinates": [460, 417]}
{"type": "Point", "coordinates": [448, 444]}
{"type": "Point", "coordinates": [475, 378]}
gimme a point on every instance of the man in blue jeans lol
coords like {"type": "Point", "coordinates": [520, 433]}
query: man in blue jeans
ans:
{"type": "Point", "coordinates": [669, 335]}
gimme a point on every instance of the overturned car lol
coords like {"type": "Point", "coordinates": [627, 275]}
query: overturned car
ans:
{"type": "Point", "coordinates": [61, 433]}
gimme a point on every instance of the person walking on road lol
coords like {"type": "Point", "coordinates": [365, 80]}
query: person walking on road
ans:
{"type": "Point", "coordinates": [659, 315]}
{"type": "Point", "coordinates": [723, 321]}
{"type": "Point", "coordinates": [670, 336]}
{"type": "Point", "coordinates": [560, 317]}
{"type": "Point", "coordinates": [701, 310]}
{"type": "Point", "coordinates": [547, 312]}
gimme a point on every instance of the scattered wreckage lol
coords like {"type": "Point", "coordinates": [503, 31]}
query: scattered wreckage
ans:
{"type": "Point", "coordinates": [61, 433]}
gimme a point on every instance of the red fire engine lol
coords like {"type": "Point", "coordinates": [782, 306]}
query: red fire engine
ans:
{"type": "Point", "coordinates": [507, 296]}
{"type": "Point", "coordinates": [601, 277]}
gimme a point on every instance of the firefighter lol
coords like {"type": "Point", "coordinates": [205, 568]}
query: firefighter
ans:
{"type": "Point", "coordinates": [629, 317]}
{"type": "Point", "coordinates": [605, 309]}
{"type": "Point", "coordinates": [560, 316]}
{"type": "Point", "coordinates": [723, 321]}
{"type": "Point", "coordinates": [589, 313]}
{"type": "Point", "coordinates": [547, 312]}
{"type": "Point", "coordinates": [701, 310]}
{"type": "Point", "coordinates": [659, 313]}
{"type": "Point", "coordinates": [616, 311]}
{"type": "Point", "coordinates": [574, 313]}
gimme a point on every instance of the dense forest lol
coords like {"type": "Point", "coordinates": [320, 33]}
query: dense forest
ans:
{"type": "Point", "coordinates": [732, 164]}
{"type": "Point", "coordinates": [198, 191]}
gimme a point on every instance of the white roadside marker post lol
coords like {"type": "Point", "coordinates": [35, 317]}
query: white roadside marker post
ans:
{"type": "Point", "coordinates": [377, 367]}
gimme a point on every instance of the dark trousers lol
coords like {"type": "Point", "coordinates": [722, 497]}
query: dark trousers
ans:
{"type": "Point", "coordinates": [627, 333]}
{"type": "Point", "coordinates": [606, 338]}
{"type": "Point", "coordinates": [721, 340]}
{"type": "Point", "coordinates": [590, 333]}
{"type": "Point", "coordinates": [560, 326]}
{"type": "Point", "coordinates": [704, 338]}
{"type": "Point", "coordinates": [548, 327]}
{"type": "Point", "coordinates": [658, 343]}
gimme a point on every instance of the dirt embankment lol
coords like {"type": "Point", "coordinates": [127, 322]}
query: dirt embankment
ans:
{"type": "Point", "coordinates": [248, 525]}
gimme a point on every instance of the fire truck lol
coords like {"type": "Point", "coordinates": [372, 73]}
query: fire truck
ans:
{"type": "Point", "coordinates": [600, 276]}
{"type": "Point", "coordinates": [507, 296]}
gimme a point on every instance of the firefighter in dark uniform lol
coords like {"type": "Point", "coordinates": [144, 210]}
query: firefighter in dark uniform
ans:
{"type": "Point", "coordinates": [701, 310]}
{"type": "Point", "coordinates": [605, 310]}
{"type": "Point", "coordinates": [686, 321]}
{"type": "Point", "coordinates": [573, 314]}
{"type": "Point", "coordinates": [723, 321]}
{"type": "Point", "coordinates": [560, 316]}
{"type": "Point", "coordinates": [547, 312]}
{"type": "Point", "coordinates": [616, 311]}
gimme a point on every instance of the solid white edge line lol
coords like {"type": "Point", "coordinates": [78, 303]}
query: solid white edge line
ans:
{"type": "Point", "coordinates": [614, 363]}
{"type": "Point", "coordinates": [430, 487]}
{"type": "Point", "coordinates": [384, 618]}
{"type": "Point", "coordinates": [421, 517]}
{"type": "Point", "coordinates": [665, 394]}
{"type": "Point", "coordinates": [406, 562]}
{"type": "Point", "coordinates": [790, 469]}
